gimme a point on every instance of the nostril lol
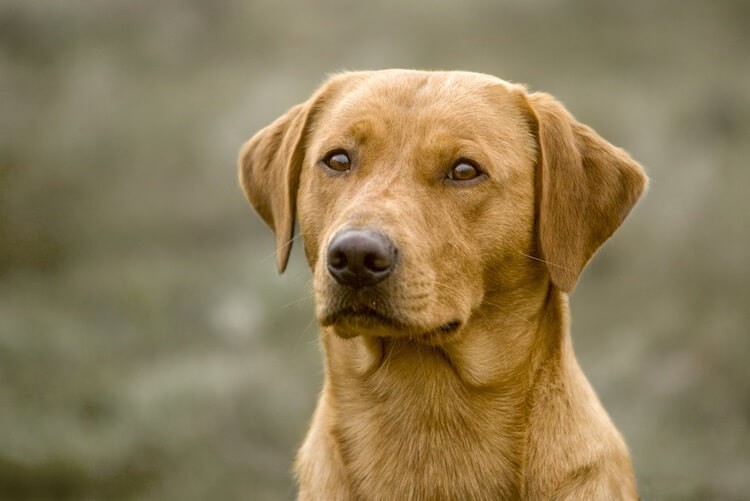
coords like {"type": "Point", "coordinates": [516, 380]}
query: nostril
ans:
{"type": "Point", "coordinates": [377, 262]}
{"type": "Point", "coordinates": [337, 260]}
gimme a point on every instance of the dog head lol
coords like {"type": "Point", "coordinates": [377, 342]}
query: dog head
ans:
{"type": "Point", "coordinates": [421, 194]}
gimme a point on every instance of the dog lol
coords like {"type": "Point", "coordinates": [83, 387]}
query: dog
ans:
{"type": "Point", "coordinates": [446, 216]}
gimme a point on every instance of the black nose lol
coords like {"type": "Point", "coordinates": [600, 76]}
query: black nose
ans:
{"type": "Point", "coordinates": [360, 257]}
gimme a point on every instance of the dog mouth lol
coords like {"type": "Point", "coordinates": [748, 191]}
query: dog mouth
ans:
{"type": "Point", "coordinates": [363, 315]}
{"type": "Point", "coordinates": [350, 321]}
{"type": "Point", "coordinates": [449, 327]}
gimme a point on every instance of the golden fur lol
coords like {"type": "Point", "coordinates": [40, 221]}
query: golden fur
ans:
{"type": "Point", "coordinates": [497, 408]}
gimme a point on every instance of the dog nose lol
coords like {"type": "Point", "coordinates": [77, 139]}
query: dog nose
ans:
{"type": "Point", "coordinates": [360, 257]}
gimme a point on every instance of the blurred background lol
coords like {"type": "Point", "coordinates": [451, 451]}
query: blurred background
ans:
{"type": "Point", "coordinates": [150, 351]}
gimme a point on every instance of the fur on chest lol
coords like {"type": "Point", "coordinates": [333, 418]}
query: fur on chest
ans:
{"type": "Point", "coordinates": [402, 435]}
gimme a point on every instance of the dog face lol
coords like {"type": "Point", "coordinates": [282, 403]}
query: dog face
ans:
{"type": "Point", "coordinates": [437, 173]}
{"type": "Point", "coordinates": [420, 195]}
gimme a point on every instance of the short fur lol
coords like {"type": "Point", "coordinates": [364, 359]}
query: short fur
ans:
{"type": "Point", "coordinates": [497, 408]}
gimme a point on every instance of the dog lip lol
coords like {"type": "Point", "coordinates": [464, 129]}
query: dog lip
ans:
{"type": "Point", "coordinates": [364, 312]}
{"type": "Point", "coordinates": [450, 327]}
{"type": "Point", "coordinates": [368, 317]}
{"type": "Point", "coordinates": [439, 334]}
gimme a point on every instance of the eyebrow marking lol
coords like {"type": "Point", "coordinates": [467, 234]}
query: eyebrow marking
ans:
{"type": "Point", "coordinates": [363, 128]}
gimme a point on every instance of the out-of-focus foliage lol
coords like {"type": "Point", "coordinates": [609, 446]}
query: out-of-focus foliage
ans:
{"type": "Point", "coordinates": [148, 349]}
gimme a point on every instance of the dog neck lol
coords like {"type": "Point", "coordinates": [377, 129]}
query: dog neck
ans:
{"type": "Point", "coordinates": [396, 400]}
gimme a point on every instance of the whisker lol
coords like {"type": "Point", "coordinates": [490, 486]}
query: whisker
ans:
{"type": "Point", "coordinates": [306, 296]}
{"type": "Point", "coordinates": [276, 251]}
{"type": "Point", "coordinates": [545, 262]}
{"type": "Point", "coordinates": [303, 333]}
{"type": "Point", "coordinates": [511, 313]}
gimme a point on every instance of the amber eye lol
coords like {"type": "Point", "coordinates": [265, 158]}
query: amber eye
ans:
{"type": "Point", "coordinates": [464, 171]}
{"type": "Point", "coordinates": [337, 160]}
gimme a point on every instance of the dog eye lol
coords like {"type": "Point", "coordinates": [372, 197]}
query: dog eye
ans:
{"type": "Point", "coordinates": [464, 171]}
{"type": "Point", "coordinates": [337, 160]}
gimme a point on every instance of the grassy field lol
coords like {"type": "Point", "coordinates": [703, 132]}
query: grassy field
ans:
{"type": "Point", "coordinates": [148, 349]}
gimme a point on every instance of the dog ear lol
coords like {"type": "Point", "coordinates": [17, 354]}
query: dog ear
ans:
{"type": "Point", "coordinates": [585, 188]}
{"type": "Point", "coordinates": [270, 164]}
{"type": "Point", "coordinates": [269, 167]}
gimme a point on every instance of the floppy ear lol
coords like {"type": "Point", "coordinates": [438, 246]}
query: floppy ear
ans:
{"type": "Point", "coordinates": [270, 163]}
{"type": "Point", "coordinates": [585, 188]}
{"type": "Point", "coordinates": [269, 168]}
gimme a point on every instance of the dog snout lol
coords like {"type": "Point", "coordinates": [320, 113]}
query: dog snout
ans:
{"type": "Point", "coordinates": [361, 257]}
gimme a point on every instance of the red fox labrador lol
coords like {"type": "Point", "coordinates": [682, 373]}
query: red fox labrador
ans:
{"type": "Point", "coordinates": [446, 216]}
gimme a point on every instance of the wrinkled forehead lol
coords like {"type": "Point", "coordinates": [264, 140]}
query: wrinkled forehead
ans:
{"type": "Point", "coordinates": [427, 104]}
